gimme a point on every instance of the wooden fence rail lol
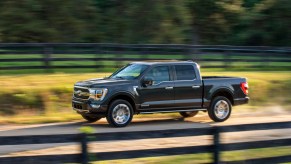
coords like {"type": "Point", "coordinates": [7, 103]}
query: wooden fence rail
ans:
{"type": "Point", "coordinates": [49, 56]}
{"type": "Point", "coordinates": [216, 148]}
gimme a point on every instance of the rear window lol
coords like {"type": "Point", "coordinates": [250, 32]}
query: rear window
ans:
{"type": "Point", "coordinates": [185, 72]}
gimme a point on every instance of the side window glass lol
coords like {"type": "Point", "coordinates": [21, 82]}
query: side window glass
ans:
{"type": "Point", "coordinates": [159, 74]}
{"type": "Point", "coordinates": [185, 72]}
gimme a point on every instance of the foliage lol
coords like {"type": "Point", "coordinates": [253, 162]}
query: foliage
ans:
{"type": "Point", "coordinates": [226, 156]}
{"type": "Point", "coordinates": [263, 23]}
{"type": "Point", "coordinates": [87, 129]}
{"type": "Point", "coordinates": [239, 22]}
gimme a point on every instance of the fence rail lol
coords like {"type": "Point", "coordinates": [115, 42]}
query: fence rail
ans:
{"type": "Point", "coordinates": [49, 56]}
{"type": "Point", "coordinates": [215, 148]}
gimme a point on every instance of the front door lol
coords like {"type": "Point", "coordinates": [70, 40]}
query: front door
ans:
{"type": "Point", "coordinates": [160, 95]}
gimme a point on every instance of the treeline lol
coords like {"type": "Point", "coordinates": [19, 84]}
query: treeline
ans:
{"type": "Point", "coordinates": [233, 22]}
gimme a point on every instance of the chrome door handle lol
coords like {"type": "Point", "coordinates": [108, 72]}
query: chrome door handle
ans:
{"type": "Point", "coordinates": [169, 87]}
{"type": "Point", "coordinates": [195, 86]}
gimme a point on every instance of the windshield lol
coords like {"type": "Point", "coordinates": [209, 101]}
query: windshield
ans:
{"type": "Point", "coordinates": [131, 71]}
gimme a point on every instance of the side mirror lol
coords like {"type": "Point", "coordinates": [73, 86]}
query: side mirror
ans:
{"type": "Point", "coordinates": [147, 82]}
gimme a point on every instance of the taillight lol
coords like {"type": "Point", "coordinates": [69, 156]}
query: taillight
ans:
{"type": "Point", "coordinates": [244, 87]}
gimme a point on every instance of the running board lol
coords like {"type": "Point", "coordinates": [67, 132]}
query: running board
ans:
{"type": "Point", "coordinates": [173, 111]}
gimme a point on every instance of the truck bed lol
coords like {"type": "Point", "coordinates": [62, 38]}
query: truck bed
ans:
{"type": "Point", "coordinates": [214, 83]}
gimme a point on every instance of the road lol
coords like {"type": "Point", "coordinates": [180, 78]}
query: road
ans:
{"type": "Point", "coordinates": [139, 124]}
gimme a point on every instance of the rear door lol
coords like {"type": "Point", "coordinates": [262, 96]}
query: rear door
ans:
{"type": "Point", "coordinates": [187, 87]}
{"type": "Point", "coordinates": [160, 95]}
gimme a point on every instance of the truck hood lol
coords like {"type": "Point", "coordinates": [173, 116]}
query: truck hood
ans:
{"type": "Point", "coordinates": [94, 83]}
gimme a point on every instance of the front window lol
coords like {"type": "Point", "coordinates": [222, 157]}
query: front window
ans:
{"type": "Point", "coordinates": [129, 72]}
{"type": "Point", "coordinates": [159, 74]}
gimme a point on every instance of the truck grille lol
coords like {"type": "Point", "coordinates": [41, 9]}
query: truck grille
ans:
{"type": "Point", "coordinates": [77, 106]}
{"type": "Point", "coordinates": [81, 93]}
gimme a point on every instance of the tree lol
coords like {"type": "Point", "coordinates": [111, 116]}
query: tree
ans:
{"type": "Point", "coordinates": [151, 21]}
{"type": "Point", "coordinates": [46, 21]}
{"type": "Point", "coordinates": [211, 21]}
{"type": "Point", "coordinates": [263, 22]}
{"type": "Point", "coordinates": [239, 22]}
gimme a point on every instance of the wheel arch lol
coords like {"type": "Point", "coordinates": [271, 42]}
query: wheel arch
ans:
{"type": "Point", "coordinates": [123, 96]}
{"type": "Point", "coordinates": [225, 93]}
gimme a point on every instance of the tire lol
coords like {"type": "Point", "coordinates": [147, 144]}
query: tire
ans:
{"type": "Point", "coordinates": [120, 113]}
{"type": "Point", "coordinates": [91, 119]}
{"type": "Point", "coordinates": [189, 114]}
{"type": "Point", "coordinates": [219, 109]}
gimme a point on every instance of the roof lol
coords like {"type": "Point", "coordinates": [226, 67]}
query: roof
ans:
{"type": "Point", "coordinates": [164, 62]}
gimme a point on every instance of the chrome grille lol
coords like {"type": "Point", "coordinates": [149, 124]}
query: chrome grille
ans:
{"type": "Point", "coordinates": [81, 92]}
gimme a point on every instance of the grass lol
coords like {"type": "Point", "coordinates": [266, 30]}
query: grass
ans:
{"type": "Point", "coordinates": [47, 97]}
{"type": "Point", "coordinates": [39, 119]}
{"type": "Point", "coordinates": [206, 157]}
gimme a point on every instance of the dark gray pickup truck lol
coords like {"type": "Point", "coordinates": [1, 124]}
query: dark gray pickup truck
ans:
{"type": "Point", "coordinates": [155, 87]}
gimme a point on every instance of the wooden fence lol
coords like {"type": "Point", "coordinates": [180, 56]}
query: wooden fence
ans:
{"type": "Point", "coordinates": [216, 148]}
{"type": "Point", "coordinates": [49, 56]}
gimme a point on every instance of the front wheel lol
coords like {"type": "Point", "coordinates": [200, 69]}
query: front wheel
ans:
{"type": "Point", "coordinates": [120, 113]}
{"type": "Point", "coordinates": [91, 119]}
{"type": "Point", "coordinates": [219, 109]}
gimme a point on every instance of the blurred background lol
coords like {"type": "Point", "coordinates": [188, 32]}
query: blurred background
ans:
{"type": "Point", "coordinates": [46, 46]}
{"type": "Point", "coordinates": [227, 22]}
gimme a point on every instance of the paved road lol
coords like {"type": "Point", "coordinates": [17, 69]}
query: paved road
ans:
{"type": "Point", "coordinates": [200, 121]}
{"type": "Point", "coordinates": [138, 124]}
{"type": "Point", "coordinates": [102, 126]}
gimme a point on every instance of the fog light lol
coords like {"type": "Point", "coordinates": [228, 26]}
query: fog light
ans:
{"type": "Point", "coordinates": [95, 106]}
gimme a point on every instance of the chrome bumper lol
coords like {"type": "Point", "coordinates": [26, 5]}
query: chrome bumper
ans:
{"type": "Point", "coordinates": [85, 107]}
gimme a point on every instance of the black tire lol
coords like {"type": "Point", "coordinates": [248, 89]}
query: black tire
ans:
{"type": "Point", "coordinates": [189, 114]}
{"type": "Point", "coordinates": [91, 119]}
{"type": "Point", "coordinates": [118, 105]}
{"type": "Point", "coordinates": [212, 108]}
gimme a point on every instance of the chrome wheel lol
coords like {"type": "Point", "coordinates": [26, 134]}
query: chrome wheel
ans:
{"type": "Point", "coordinates": [121, 114]}
{"type": "Point", "coordinates": [221, 109]}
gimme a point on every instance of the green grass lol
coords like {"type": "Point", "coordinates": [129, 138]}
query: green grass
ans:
{"type": "Point", "coordinates": [47, 97]}
{"type": "Point", "coordinates": [207, 157]}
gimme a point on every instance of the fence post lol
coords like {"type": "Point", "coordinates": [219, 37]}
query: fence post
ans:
{"type": "Point", "coordinates": [194, 53]}
{"type": "Point", "coordinates": [99, 63]}
{"type": "Point", "coordinates": [267, 59]}
{"type": "Point", "coordinates": [47, 57]}
{"type": "Point", "coordinates": [84, 155]}
{"type": "Point", "coordinates": [227, 59]}
{"type": "Point", "coordinates": [216, 145]}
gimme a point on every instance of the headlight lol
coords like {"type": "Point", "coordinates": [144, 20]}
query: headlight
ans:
{"type": "Point", "coordinates": [98, 93]}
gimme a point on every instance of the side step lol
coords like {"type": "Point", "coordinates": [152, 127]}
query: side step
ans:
{"type": "Point", "coordinates": [172, 111]}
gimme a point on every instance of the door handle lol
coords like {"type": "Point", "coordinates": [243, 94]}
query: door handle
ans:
{"type": "Point", "coordinates": [195, 86]}
{"type": "Point", "coordinates": [169, 87]}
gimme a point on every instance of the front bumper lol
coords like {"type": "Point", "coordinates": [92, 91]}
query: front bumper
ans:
{"type": "Point", "coordinates": [241, 101]}
{"type": "Point", "coordinates": [85, 107]}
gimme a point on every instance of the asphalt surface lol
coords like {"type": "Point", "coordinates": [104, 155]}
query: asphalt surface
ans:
{"type": "Point", "coordinates": [102, 126]}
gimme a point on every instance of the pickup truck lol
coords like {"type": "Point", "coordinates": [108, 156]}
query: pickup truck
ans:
{"type": "Point", "coordinates": [158, 87]}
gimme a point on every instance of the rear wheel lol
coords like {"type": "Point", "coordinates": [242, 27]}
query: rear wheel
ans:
{"type": "Point", "coordinates": [219, 109]}
{"type": "Point", "coordinates": [91, 118]}
{"type": "Point", "coordinates": [189, 114]}
{"type": "Point", "coordinates": [120, 113]}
